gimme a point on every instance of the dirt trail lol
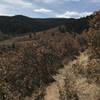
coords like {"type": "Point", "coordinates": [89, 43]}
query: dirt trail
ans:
{"type": "Point", "coordinates": [80, 84]}
{"type": "Point", "coordinates": [84, 90]}
{"type": "Point", "coordinates": [52, 91]}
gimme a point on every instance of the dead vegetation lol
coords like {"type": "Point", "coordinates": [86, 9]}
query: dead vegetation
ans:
{"type": "Point", "coordinates": [78, 80]}
{"type": "Point", "coordinates": [28, 63]}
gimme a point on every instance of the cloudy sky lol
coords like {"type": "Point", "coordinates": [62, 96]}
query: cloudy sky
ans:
{"type": "Point", "coordinates": [49, 8]}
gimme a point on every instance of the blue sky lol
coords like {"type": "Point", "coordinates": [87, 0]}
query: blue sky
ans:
{"type": "Point", "coordinates": [49, 8]}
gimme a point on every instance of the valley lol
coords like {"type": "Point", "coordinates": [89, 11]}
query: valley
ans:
{"type": "Point", "coordinates": [58, 60]}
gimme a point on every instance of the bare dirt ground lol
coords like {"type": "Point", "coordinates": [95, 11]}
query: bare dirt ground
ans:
{"type": "Point", "coordinates": [79, 84]}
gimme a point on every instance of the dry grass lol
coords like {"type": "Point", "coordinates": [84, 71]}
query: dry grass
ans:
{"type": "Point", "coordinates": [27, 66]}
{"type": "Point", "coordinates": [83, 80]}
{"type": "Point", "coordinates": [74, 82]}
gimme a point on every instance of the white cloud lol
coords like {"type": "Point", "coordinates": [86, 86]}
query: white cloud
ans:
{"type": "Point", "coordinates": [55, 1]}
{"type": "Point", "coordinates": [42, 10]}
{"type": "Point", "coordinates": [95, 1]}
{"type": "Point", "coordinates": [10, 7]}
{"type": "Point", "coordinates": [73, 14]}
{"type": "Point", "coordinates": [46, 1]}
{"type": "Point", "coordinates": [21, 3]}
{"type": "Point", "coordinates": [72, 0]}
{"type": "Point", "coordinates": [4, 9]}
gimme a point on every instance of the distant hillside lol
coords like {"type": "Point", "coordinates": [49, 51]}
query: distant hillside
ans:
{"type": "Point", "coordinates": [20, 24]}
{"type": "Point", "coordinates": [84, 24]}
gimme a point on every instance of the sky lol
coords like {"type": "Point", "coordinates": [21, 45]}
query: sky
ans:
{"type": "Point", "coordinates": [49, 8]}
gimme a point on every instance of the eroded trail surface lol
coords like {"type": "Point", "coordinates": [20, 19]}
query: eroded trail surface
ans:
{"type": "Point", "coordinates": [82, 88]}
{"type": "Point", "coordinates": [53, 91]}
{"type": "Point", "coordinates": [71, 85]}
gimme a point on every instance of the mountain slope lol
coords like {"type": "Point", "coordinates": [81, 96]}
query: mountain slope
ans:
{"type": "Point", "coordinates": [71, 84]}
{"type": "Point", "coordinates": [20, 24]}
{"type": "Point", "coordinates": [28, 63]}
